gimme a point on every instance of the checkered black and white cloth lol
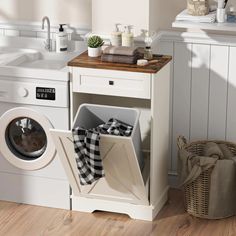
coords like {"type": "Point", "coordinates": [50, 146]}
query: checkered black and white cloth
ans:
{"type": "Point", "coordinates": [115, 127]}
{"type": "Point", "coordinates": [86, 145]}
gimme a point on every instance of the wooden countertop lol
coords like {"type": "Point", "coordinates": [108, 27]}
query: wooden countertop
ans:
{"type": "Point", "coordinates": [84, 60]}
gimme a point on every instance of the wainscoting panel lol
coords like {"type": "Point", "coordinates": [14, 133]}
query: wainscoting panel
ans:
{"type": "Point", "coordinates": [199, 91]}
{"type": "Point", "coordinates": [218, 92]}
{"type": "Point", "coordinates": [181, 94]}
{"type": "Point", "coordinates": [203, 88]}
{"type": "Point", "coordinates": [231, 108]}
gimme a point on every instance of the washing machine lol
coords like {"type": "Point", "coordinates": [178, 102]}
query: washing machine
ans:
{"type": "Point", "coordinates": [30, 170]}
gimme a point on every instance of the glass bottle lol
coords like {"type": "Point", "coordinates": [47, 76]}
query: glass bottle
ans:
{"type": "Point", "coordinates": [148, 50]}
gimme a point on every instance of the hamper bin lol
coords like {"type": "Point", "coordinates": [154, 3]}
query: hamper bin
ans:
{"type": "Point", "coordinates": [204, 197]}
{"type": "Point", "coordinates": [90, 116]}
{"type": "Point", "coordinates": [126, 171]}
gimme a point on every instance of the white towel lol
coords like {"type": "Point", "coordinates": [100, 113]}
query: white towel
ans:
{"type": "Point", "coordinates": [184, 16]}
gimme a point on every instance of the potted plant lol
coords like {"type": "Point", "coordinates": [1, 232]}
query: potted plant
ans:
{"type": "Point", "coordinates": [94, 46]}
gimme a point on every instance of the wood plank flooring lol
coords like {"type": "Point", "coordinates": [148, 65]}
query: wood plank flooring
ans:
{"type": "Point", "coordinates": [26, 220]}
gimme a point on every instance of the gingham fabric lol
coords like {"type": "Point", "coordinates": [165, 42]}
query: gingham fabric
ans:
{"type": "Point", "coordinates": [86, 145]}
{"type": "Point", "coordinates": [115, 127]}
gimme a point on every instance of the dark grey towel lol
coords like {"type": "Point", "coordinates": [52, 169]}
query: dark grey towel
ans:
{"type": "Point", "coordinates": [120, 59]}
{"type": "Point", "coordinates": [125, 51]}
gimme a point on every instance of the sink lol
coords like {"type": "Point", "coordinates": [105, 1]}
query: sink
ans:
{"type": "Point", "coordinates": [37, 60]}
{"type": "Point", "coordinates": [9, 54]}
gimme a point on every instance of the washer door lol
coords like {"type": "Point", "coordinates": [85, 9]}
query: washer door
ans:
{"type": "Point", "coordinates": [25, 140]}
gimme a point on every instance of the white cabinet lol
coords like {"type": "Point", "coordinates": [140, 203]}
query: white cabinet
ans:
{"type": "Point", "coordinates": [125, 189]}
{"type": "Point", "coordinates": [115, 83]}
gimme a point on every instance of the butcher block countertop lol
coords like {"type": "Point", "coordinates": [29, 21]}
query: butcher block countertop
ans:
{"type": "Point", "coordinates": [85, 61]}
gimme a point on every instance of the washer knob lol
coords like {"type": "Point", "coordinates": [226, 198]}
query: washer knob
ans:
{"type": "Point", "coordinates": [22, 92]}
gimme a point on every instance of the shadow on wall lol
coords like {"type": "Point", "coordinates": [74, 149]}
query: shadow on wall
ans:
{"type": "Point", "coordinates": [203, 93]}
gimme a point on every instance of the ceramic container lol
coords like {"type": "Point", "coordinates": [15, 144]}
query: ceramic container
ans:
{"type": "Point", "coordinates": [94, 52]}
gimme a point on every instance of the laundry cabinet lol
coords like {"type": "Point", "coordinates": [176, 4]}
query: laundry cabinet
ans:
{"type": "Point", "coordinates": [128, 188]}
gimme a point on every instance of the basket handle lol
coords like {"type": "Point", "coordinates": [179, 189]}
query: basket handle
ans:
{"type": "Point", "coordinates": [181, 142]}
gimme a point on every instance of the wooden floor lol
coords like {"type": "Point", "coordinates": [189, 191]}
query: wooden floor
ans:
{"type": "Point", "coordinates": [25, 220]}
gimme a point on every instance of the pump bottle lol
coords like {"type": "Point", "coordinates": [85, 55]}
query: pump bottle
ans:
{"type": "Point", "coordinates": [116, 36]}
{"type": "Point", "coordinates": [128, 37]}
{"type": "Point", "coordinates": [61, 40]}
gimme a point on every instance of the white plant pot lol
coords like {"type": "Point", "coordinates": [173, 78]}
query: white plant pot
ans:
{"type": "Point", "coordinates": [94, 52]}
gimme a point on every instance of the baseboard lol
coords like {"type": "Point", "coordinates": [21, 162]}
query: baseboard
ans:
{"type": "Point", "coordinates": [138, 212]}
{"type": "Point", "coordinates": [160, 202]}
{"type": "Point", "coordinates": [173, 180]}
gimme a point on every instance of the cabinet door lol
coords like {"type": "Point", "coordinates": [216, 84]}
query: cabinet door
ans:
{"type": "Point", "coordinates": [123, 179]}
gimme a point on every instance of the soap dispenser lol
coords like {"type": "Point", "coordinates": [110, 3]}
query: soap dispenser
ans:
{"type": "Point", "coordinates": [116, 36]}
{"type": "Point", "coordinates": [128, 37]}
{"type": "Point", "coordinates": [61, 40]}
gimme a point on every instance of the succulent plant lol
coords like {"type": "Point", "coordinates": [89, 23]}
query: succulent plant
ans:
{"type": "Point", "coordinates": [95, 42]}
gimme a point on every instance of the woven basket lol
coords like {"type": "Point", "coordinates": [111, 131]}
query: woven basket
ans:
{"type": "Point", "coordinates": [196, 194]}
{"type": "Point", "coordinates": [197, 7]}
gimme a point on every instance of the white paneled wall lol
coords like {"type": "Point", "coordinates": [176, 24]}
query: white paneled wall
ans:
{"type": "Point", "coordinates": [203, 90]}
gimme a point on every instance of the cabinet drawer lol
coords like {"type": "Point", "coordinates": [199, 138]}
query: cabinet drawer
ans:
{"type": "Point", "coordinates": [109, 82]}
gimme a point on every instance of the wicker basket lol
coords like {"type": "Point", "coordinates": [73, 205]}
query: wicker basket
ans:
{"type": "Point", "coordinates": [196, 194]}
{"type": "Point", "coordinates": [198, 7]}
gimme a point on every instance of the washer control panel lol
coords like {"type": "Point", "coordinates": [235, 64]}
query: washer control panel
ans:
{"type": "Point", "coordinates": [45, 93]}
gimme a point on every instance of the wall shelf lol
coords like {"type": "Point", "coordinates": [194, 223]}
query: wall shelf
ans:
{"type": "Point", "coordinates": [230, 27]}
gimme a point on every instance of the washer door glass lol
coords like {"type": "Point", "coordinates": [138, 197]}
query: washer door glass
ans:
{"type": "Point", "coordinates": [26, 138]}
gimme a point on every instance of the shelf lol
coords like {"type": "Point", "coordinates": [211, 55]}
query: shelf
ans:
{"type": "Point", "coordinates": [230, 27]}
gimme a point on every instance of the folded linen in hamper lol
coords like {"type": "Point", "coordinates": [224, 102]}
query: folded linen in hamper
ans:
{"type": "Point", "coordinates": [211, 149]}
{"type": "Point", "coordinates": [86, 146]}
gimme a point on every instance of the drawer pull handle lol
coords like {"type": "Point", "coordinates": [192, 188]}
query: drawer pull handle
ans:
{"type": "Point", "coordinates": [111, 82]}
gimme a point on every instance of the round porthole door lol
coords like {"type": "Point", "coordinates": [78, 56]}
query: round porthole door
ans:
{"type": "Point", "coordinates": [25, 140]}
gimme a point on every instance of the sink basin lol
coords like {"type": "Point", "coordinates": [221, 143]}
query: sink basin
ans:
{"type": "Point", "coordinates": [37, 60]}
{"type": "Point", "coordinates": [9, 54]}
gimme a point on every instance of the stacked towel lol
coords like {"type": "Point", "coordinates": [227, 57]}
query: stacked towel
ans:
{"type": "Point", "coordinates": [126, 55]}
{"type": "Point", "coordinates": [184, 16]}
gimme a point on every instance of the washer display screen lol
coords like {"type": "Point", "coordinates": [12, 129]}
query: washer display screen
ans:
{"type": "Point", "coordinates": [26, 138]}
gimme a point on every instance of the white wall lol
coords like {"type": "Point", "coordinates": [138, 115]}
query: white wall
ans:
{"type": "Point", "coordinates": [105, 13]}
{"type": "Point", "coordinates": [75, 12]}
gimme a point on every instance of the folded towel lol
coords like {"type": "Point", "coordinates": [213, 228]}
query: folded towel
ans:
{"type": "Point", "coordinates": [125, 51]}
{"type": "Point", "coordinates": [226, 151]}
{"type": "Point", "coordinates": [120, 58]}
{"type": "Point", "coordinates": [184, 16]}
{"type": "Point", "coordinates": [213, 150]}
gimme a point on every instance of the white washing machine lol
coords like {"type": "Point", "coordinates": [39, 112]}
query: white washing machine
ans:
{"type": "Point", "coordinates": [30, 171]}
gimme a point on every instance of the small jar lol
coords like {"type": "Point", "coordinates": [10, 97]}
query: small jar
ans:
{"type": "Point", "coordinates": [148, 53]}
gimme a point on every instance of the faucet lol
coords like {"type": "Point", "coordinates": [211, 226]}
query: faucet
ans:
{"type": "Point", "coordinates": [48, 46]}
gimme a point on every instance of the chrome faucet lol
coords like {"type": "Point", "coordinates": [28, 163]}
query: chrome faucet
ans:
{"type": "Point", "coordinates": [48, 45]}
